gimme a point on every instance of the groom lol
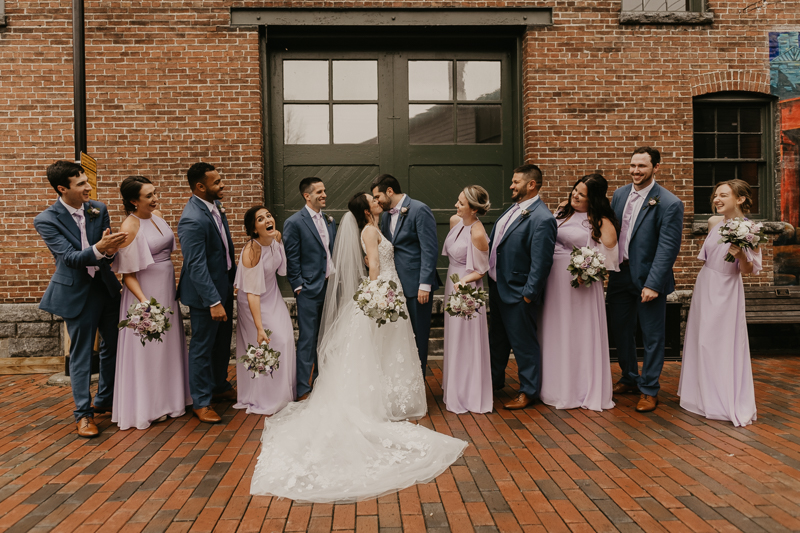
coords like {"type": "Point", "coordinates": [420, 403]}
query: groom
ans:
{"type": "Point", "coordinates": [411, 227]}
{"type": "Point", "coordinates": [308, 237]}
{"type": "Point", "coordinates": [649, 242]}
{"type": "Point", "coordinates": [83, 290]}
{"type": "Point", "coordinates": [206, 286]}
{"type": "Point", "coordinates": [520, 256]}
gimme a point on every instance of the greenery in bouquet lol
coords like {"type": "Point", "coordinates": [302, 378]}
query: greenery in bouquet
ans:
{"type": "Point", "coordinates": [466, 300]}
{"type": "Point", "coordinates": [743, 233]}
{"type": "Point", "coordinates": [261, 360]}
{"type": "Point", "coordinates": [587, 265]}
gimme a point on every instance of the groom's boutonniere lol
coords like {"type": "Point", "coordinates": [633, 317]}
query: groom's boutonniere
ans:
{"type": "Point", "coordinates": [652, 202]}
{"type": "Point", "coordinates": [221, 209]}
{"type": "Point", "coordinates": [328, 218]}
{"type": "Point", "coordinates": [403, 211]}
{"type": "Point", "coordinates": [524, 214]}
{"type": "Point", "coordinates": [92, 212]}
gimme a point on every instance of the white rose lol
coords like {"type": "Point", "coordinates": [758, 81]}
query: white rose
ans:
{"type": "Point", "coordinates": [742, 231]}
{"type": "Point", "coordinates": [596, 262]}
{"type": "Point", "coordinates": [577, 260]}
{"type": "Point", "coordinates": [592, 271]}
{"type": "Point", "coordinates": [586, 251]}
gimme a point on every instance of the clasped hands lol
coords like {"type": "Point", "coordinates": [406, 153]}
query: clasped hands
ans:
{"type": "Point", "coordinates": [110, 242]}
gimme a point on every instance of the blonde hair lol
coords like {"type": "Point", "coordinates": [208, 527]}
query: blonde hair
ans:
{"type": "Point", "coordinates": [740, 189]}
{"type": "Point", "coordinates": [477, 198]}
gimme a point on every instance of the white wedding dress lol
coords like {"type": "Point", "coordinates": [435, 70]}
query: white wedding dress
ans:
{"type": "Point", "coordinates": [348, 442]}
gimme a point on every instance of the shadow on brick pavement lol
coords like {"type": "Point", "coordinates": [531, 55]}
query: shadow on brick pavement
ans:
{"type": "Point", "coordinates": [539, 469]}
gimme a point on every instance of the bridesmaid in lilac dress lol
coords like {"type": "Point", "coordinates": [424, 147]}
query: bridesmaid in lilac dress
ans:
{"type": "Point", "coordinates": [467, 376]}
{"type": "Point", "coordinates": [716, 377]}
{"type": "Point", "coordinates": [152, 381]}
{"type": "Point", "coordinates": [261, 307]}
{"type": "Point", "coordinates": [576, 371]}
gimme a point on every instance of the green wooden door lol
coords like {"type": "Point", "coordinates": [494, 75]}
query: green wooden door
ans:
{"type": "Point", "coordinates": [437, 121]}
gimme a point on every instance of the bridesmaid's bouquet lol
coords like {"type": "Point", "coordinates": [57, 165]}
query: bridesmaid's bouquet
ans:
{"type": "Point", "coordinates": [588, 265]}
{"type": "Point", "coordinates": [381, 300]}
{"type": "Point", "coordinates": [148, 320]}
{"type": "Point", "coordinates": [744, 233]}
{"type": "Point", "coordinates": [466, 300]}
{"type": "Point", "coordinates": [260, 360]}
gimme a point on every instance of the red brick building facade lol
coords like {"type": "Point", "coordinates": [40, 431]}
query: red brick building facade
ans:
{"type": "Point", "coordinates": [173, 82]}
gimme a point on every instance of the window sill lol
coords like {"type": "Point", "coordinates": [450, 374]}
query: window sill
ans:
{"type": "Point", "coordinates": [661, 17]}
{"type": "Point", "coordinates": [770, 228]}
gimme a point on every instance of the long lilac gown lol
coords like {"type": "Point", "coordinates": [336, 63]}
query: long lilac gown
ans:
{"type": "Point", "coordinates": [576, 370]}
{"type": "Point", "coordinates": [716, 377]}
{"type": "Point", "coordinates": [152, 380]}
{"type": "Point", "coordinates": [264, 395]}
{"type": "Point", "coordinates": [467, 375]}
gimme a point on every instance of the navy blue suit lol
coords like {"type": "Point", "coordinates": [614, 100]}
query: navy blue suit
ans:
{"type": "Point", "coordinates": [524, 258]}
{"type": "Point", "coordinates": [306, 265]}
{"type": "Point", "coordinates": [85, 303]}
{"type": "Point", "coordinates": [416, 251]}
{"type": "Point", "coordinates": [654, 246]}
{"type": "Point", "coordinates": [206, 280]}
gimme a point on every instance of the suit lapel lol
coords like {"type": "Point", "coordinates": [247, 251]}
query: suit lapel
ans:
{"type": "Point", "coordinates": [400, 218]}
{"type": "Point", "coordinates": [514, 225]}
{"type": "Point", "coordinates": [67, 221]}
{"type": "Point", "coordinates": [623, 197]}
{"type": "Point", "coordinates": [204, 209]}
{"type": "Point", "coordinates": [91, 226]}
{"type": "Point", "coordinates": [645, 209]}
{"type": "Point", "coordinates": [306, 216]}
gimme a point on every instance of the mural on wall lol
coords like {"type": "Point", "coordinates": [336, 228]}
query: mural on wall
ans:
{"type": "Point", "coordinates": [784, 60]}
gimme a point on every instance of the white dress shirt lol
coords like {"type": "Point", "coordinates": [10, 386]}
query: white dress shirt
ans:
{"type": "Point", "coordinates": [637, 208]}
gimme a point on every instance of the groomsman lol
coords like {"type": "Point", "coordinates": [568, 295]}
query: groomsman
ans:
{"type": "Point", "coordinates": [206, 286]}
{"type": "Point", "coordinates": [308, 237]}
{"type": "Point", "coordinates": [83, 290]}
{"type": "Point", "coordinates": [521, 254]}
{"type": "Point", "coordinates": [649, 242]}
{"type": "Point", "coordinates": [411, 227]}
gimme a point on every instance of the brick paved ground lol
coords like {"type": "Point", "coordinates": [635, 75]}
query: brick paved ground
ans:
{"type": "Point", "coordinates": [534, 470]}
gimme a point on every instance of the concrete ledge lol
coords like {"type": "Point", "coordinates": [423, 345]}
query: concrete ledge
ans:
{"type": "Point", "coordinates": [663, 17]}
{"type": "Point", "coordinates": [60, 380]}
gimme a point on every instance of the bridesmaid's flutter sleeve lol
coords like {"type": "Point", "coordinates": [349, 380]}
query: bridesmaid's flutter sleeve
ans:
{"type": "Point", "coordinates": [250, 280]}
{"type": "Point", "coordinates": [278, 248]}
{"type": "Point", "coordinates": [612, 256]}
{"type": "Point", "coordinates": [134, 257]}
{"type": "Point", "coordinates": [477, 261]}
{"type": "Point", "coordinates": [753, 256]}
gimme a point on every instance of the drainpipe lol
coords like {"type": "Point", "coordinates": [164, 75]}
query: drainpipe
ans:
{"type": "Point", "coordinates": [79, 78]}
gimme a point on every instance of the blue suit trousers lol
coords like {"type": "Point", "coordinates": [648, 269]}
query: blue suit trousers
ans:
{"type": "Point", "coordinates": [309, 315]}
{"type": "Point", "coordinates": [625, 310]}
{"type": "Point", "coordinates": [209, 353]}
{"type": "Point", "coordinates": [420, 316]}
{"type": "Point", "coordinates": [513, 326]}
{"type": "Point", "coordinates": [101, 311]}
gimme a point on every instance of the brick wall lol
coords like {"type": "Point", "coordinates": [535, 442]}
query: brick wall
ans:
{"type": "Point", "coordinates": [170, 83]}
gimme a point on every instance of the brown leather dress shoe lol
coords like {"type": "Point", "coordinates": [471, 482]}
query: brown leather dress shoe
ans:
{"type": "Point", "coordinates": [647, 403]}
{"type": "Point", "coordinates": [228, 395]}
{"type": "Point", "coordinates": [100, 409]}
{"type": "Point", "coordinates": [208, 415]}
{"type": "Point", "coordinates": [624, 388]}
{"type": "Point", "coordinates": [303, 397]}
{"type": "Point", "coordinates": [520, 402]}
{"type": "Point", "coordinates": [86, 427]}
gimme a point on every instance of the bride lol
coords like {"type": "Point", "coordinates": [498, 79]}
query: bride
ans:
{"type": "Point", "coordinates": [350, 440]}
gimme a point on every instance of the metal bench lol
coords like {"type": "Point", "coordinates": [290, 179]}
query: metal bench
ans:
{"type": "Point", "coordinates": [772, 305]}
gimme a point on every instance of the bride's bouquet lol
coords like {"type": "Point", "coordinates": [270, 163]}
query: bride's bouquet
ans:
{"type": "Point", "coordinates": [466, 300]}
{"type": "Point", "coordinates": [148, 320]}
{"type": "Point", "coordinates": [588, 265]}
{"type": "Point", "coordinates": [381, 300]}
{"type": "Point", "coordinates": [260, 360]}
{"type": "Point", "coordinates": [743, 233]}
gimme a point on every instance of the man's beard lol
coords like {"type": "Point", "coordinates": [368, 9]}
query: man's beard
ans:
{"type": "Point", "coordinates": [386, 206]}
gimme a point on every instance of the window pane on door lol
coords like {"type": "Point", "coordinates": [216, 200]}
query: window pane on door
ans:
{"type": "Point", "coordinates": [479, 124]}
{"type": "Point", "coordinates": [478, 80]}
{"type": "Point", "coordinates": [355, 80]}
{"type": "Point", "coordinates": [306, 124]}
{"type": "Point", "coordinates": [430, 80]}
{"type": "Point", "coordinates": [355, 124]}
{"type": "Point", "coordinates": [430, 124]}
{"type": "Point", "coordinates": [305, 80]}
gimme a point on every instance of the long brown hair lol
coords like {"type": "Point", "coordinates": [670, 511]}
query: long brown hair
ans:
{"type": "Point", "coordinates": [599, 206]}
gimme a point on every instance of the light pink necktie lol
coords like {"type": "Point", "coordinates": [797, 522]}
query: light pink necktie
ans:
{"type": "Point", "coordinates": [79, 218]}
{"type": "Point", "coordinates": [626, 225]}
{"type": "Point", "coordinates": [497, 238]}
